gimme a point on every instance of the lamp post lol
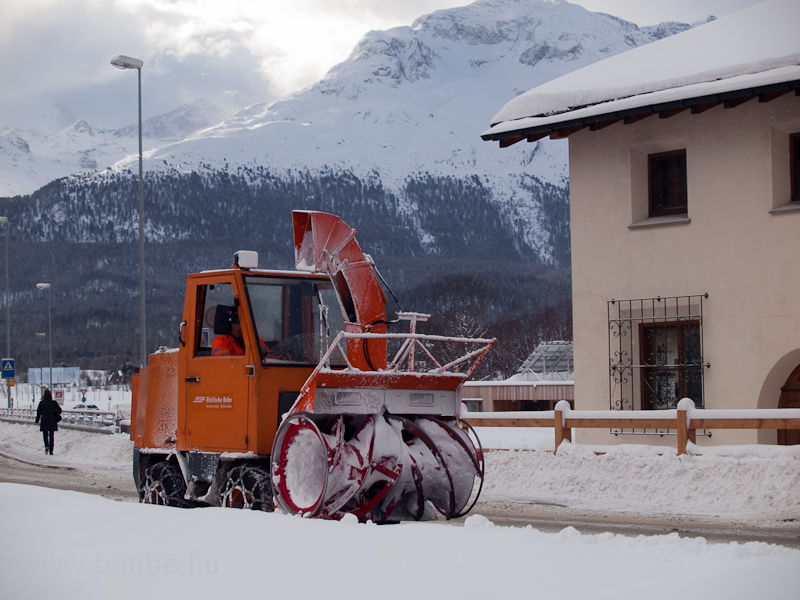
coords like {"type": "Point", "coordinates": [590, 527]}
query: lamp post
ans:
{"type": "Point", "coordinates": [8, 318]}
{"type": "Point", "coordinates": [126, 62]}
{"type": "Point", "coordinates": [41, 335]}
{"type": "Point", "coordinates": [46, 286]}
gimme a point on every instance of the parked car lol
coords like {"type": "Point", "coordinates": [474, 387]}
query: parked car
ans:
{"type": "Point", "coordinates": [85, 407]}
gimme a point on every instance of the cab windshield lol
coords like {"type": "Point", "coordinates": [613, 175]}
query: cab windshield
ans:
{"type": "Point", "coordinates": [290, 326]}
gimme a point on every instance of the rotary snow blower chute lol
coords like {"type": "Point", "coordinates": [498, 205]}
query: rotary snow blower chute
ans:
{"type": "Point", "coordinates": [378, 439]}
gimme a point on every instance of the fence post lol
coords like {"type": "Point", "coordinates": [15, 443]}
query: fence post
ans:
{"type": "Point", "coordinates": [684, 424]}
{"type": "Point", "coordinates": [559, 414]}
{"type": "Point", "coordinates": [682, 431]}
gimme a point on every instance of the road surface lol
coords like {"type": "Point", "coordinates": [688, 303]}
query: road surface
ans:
{"type": "Point", "coordinates": [545, 517]}
{"type": "Point", "coordinates": [110, 485]}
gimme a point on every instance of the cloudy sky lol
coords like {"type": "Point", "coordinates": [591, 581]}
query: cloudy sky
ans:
{"type": "Point", "coordinates": [55, 53]}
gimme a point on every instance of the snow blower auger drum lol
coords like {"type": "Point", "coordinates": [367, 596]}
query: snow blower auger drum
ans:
{"type": "Point", "coordinates": [381, 468]}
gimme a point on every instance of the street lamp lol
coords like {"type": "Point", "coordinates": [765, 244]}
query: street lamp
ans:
{"type": "Point", "coordinates": [46, 286]}
{"type": "Point", "coordinates": [8, 318]}
{"type": "Point", "coordinates": [126, 62]}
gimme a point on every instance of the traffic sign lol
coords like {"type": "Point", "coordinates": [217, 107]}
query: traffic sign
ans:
{"type": "Point", "coordinates": [8, 368]}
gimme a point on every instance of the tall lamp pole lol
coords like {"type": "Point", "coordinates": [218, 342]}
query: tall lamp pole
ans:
{"type": "Point", "coordinates": [46, 286]}
{"type": "Point", "coordinates": [8, 317]}
{"type": "Point", "coordinates": [41, 335]}
{"type": "Point", "coordinates": [126, 62]}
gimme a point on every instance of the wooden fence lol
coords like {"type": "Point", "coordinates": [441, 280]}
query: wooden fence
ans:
{"type": "Point", "coordinates": [686, 420]}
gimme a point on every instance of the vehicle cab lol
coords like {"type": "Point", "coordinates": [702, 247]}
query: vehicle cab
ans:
{"type": "Point", "coordinates": [232, 401]}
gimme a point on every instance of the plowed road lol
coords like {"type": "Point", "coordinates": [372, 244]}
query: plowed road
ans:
{"type": "Point", "coordinates": [550, 518]}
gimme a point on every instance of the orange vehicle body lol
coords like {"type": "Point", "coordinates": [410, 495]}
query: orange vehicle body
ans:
{"type": "Point", "coordinates": [224, 404]}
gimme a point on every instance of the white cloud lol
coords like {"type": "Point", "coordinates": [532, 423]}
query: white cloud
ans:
{"type": "Point", "coordinates": [232, 52]}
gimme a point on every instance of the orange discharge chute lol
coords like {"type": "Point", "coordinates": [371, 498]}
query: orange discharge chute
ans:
{"type": "Point", "coordinates": [323, 243]}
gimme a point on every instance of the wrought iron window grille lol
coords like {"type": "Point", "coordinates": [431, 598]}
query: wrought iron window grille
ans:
{"type": "Point", "coordinates": [655, 349]}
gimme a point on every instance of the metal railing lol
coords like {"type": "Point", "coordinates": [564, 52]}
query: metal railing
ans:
{"type": "Point", "coordinates": [404, 358]}
{"type": "Point", "coordinates": [99, 421]}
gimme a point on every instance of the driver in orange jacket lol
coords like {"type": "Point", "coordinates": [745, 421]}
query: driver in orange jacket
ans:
{"type": "Point", "coordinates": [232, 344]}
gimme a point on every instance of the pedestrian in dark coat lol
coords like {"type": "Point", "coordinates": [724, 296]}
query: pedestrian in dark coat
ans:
{"type": "Point", "coordinates": [49, 413]}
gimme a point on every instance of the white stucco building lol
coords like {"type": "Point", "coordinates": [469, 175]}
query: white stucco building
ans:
{"type": "Point", "coordinates": [685, 214]}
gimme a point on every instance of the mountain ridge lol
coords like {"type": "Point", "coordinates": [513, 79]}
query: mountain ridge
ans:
{"type": "Point", "coordinates": [410, 53]}
{"type": "Point", "coordinates": [389, 140]}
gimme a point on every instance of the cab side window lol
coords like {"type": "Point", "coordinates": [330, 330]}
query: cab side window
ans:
{"type": "Point", "coordinates": [215, 309]}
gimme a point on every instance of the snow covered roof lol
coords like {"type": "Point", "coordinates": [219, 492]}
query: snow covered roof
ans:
{"type": "Point", "coordinates": [549, 360]}
{"type": "Point", "coordinates": [549, 356]}
{"type": "Point", "coordinates": [754, 52]}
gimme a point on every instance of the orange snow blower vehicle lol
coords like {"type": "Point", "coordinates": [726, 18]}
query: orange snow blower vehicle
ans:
{"type": "Point", "coordinates": [289, 392]}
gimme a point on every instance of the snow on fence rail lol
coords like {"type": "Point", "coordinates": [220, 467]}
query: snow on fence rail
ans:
{"type": "Point", "coordinates": [99, 421]}
{"type": "Point", "coordinates": [685, 420]}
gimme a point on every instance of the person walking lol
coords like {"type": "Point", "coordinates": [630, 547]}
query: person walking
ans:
{"type": "Point", "coordinates": [49, 413]}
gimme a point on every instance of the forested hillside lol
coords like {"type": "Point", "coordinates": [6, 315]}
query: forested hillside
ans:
{"type": "Point", "coordinates": [441, 244]}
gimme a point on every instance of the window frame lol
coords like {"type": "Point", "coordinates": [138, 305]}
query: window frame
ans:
{"type": "Point", "coordinates": [794, 166]}
{"type": "Point", "coordinates": [292, 300]}
{"type": "Point", "coordinates": [681, 183]}
{"type": "Point", "coordinates": [651, 369]}
{"type": "Point", "coordinates": [202, 305]}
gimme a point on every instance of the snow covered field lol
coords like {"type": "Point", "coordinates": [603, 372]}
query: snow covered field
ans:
{"type": "Point", "coordinates": [71, 545]}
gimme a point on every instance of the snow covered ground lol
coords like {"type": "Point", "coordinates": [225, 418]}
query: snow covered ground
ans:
{"type": "Point", "coordinates": [27, 395]}
{"type": "Point", "coordinates": [71, 545]}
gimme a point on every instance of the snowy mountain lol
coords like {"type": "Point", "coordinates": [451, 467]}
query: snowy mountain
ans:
{"type": "Point", "coordinates": [30, 159]}
{"type": "Point", "coordinates": [389, 140]}
{"type": "Point", "coordinates": [413, 100]}
{"type": "Point", "coordinates": [178, 124]}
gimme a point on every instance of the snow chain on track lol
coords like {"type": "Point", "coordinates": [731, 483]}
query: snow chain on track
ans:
{"type": "Point", "coordinates": [164, 485]}
{"type": "Point", "coordinates": [247, 487]}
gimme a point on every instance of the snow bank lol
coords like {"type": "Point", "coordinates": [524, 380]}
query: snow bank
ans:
{"type": "Point", "coordinates": [72, 447]}
{"type": "Point", "coordinates": [760, 484]}
{"type": "Point", "coordinates": [76, 547]}
{"type": "Point", "coordinates": [516, 438]}
{"type": "Point", "coordinates": [638, 479]}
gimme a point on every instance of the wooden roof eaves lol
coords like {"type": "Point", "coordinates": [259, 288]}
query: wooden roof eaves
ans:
{"type": "Point", "coordinates": [561, 129]}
